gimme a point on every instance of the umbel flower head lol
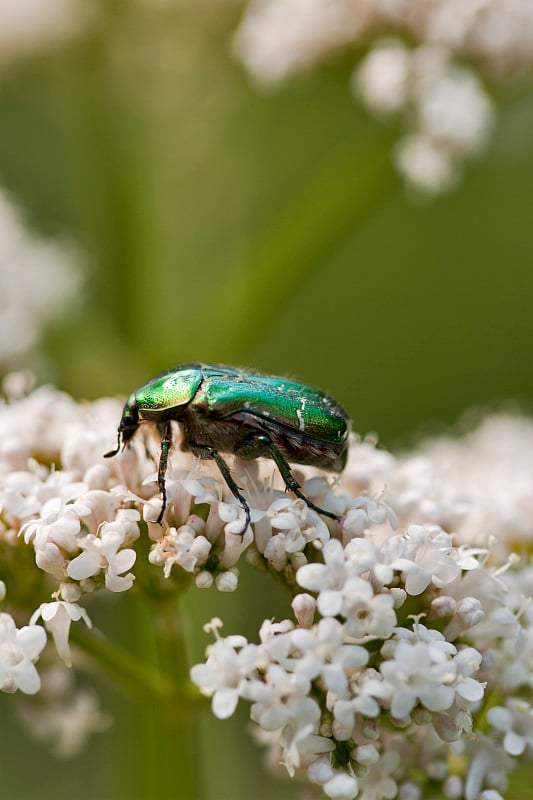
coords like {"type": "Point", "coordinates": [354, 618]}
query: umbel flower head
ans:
{"type": "Point", "coordinates": [406, 658]}
{"type": "Point", "coordinates": [432, 68]}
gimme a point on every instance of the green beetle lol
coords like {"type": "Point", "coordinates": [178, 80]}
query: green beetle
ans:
{"type": "Point", "coordinates": [222, 409]}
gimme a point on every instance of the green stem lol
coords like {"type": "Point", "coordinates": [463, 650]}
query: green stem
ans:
{"type": "Point", "coordinates": [172, 721]}
{"type": "Point", "coordinates": [124, 669]}
{"type": "Point", "coordinates": [162, 751]}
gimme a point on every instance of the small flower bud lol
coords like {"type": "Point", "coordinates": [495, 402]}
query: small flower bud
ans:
{"type": "Point", "coordinates": [366, 754]}
{"type": "Point", "coordinates": [304, 607]}
{"type": "Point", "coordinates": [470, 611]}
{"type": "Point", "coordinates": [226, 581]}
{"type": "Point", "coordinates": [151, 511]}
{"type": "Point", "coordinates": [97, 477]}
{"type": "Point", "coordinates": [443, 606]}
{"type": "Point", "coordinates": [70, 592]}
{"type": "Point", "coordinates": [320, 771]}
{"type": "Point", "coordinates": [398, 597]}
{"type": "Point", "coordinates": [409, 791]}
{"type": "Point", "coordinates": [196, 523]}
{"type": "Point", "coordinates": [421, 716]}
{"type": "Point", "coordinates": [452, 787]}
{"type": "Point", "coordinates": [204, 579]}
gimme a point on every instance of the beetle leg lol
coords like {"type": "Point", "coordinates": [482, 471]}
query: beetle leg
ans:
{"type": "Point", "coordinates": [206, 451]}
{"type": "Point", "coordinates": [166, 440]}
{"type": "Point", "coordinates": [291, 483]}
{"type": "Point", "coordinates": [117, 448]}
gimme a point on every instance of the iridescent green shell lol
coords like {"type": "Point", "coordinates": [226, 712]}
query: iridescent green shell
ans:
{"type": "Point", "coordinates": [220, 392]}
{"type": "Point", "coordinates": [284, 402]}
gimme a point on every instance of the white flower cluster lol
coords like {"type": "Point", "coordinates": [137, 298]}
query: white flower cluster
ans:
{"type": "Point", "coordinates": [358, 677]}
{"type": "Point", "coordinates": [37, 277]}
{"type": "Point", "coordinates": [399, 632]}
{"type": "Point", "coordinates": [404, 610]}
{"type": "Point", "coordinates": [446, 108]}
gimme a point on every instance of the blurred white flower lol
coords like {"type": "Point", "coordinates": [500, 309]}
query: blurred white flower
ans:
{"type": "Point", "coordinates": [516, 722]}
{"type": "Point", "coordinates": [33, 24]}
{"type": "Point", "coordinates": [281, 36]}
{"type": "Point", "coordinates": [445, 105]}
{"type": "Point", "coordinates": [63, 717]}
{"type": "Point", "coordinates": [37, 276]}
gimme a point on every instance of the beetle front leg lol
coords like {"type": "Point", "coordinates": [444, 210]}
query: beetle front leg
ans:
{"type": "Point", "coordinates": [291, 483]}
{"type": "Point", "coordinates": [165, 431]}
{"type": "Point", "coordinates": [206, 451]}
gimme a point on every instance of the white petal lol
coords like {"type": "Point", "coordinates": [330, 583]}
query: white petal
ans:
{"type": "Point", "coordinates": [26, 677]}
{"type": "Point", "coordinates": [84, 566]}
{"type": "Point", "coordinates": [417, 580]}
{"type": "Point", "coordinates": [471, 690]}
{"type": "Point", "coordinates": [329, 602]}
{"type": "Point", "coordinates": [123, 560]}
{"type": "Point", "coordinates": [31, 640]}
{"type": "Point", "coordinates": [341, 787]}
{"type": "Point", "coordinates": [224, 702]}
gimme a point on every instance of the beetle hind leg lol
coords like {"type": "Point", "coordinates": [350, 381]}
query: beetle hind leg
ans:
{"type": "Point", "coordinates": [291, 483]}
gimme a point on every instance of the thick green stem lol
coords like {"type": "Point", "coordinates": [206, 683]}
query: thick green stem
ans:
{"type": "Point", "coordinates": [162, 742]}
{"type": "Point", "coordinates": [125, 670]}
{"type": "Point", "coordinates": [172, 719]}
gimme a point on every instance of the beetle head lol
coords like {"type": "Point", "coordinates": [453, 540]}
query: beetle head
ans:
{"type": "Point", "coordinates": [128, 425]}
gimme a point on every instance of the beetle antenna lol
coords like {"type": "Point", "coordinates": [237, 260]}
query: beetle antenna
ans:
{"type": "Point", "coordinates": [114, 452]}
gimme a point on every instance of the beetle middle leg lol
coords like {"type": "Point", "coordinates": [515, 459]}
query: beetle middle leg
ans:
{"type": "Point", "coordinates": [208, 452]}
{"type": "Point", "coordinates": [165, 431]}
{"type": "Point", "coordinates": [262, 445]}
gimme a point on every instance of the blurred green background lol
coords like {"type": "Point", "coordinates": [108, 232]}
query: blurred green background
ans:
{"type": "Point", "coordinates": [265, 229]}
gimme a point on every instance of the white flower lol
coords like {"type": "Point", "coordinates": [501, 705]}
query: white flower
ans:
{"type": "Point", "coordinates": [57, 616]}
{"type": "Point", "coordinates": [322, 652]}
{"type": "Point", "coordinates": [182, 547]}
{"type": "Point", "coordinates": [370, 693]}
{"type": "Point", "coordinates": [419, 672]}
{"type": "Point", "coordinates": [231, 663]}
{"type": "Point", "coordinates": [331, 575]}
{"type": "Point", "coordinates": [377, 783]}
{"type": "Point", "coordinates": [516, 722]}
{"type": "Point", "coordinates": [19, 649]}
{"type": "Point", "coordinates": [431, 558]}
{"type": "Point", "coordinates": [382, 79]}
{"type": "Point", "coordinates": [364, 512]}
{"type": "Point", "coordinates": [106, 553]}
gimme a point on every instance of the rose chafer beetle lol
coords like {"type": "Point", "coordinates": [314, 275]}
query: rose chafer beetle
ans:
{"type": "Point", "coordinates": [225, 410]}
